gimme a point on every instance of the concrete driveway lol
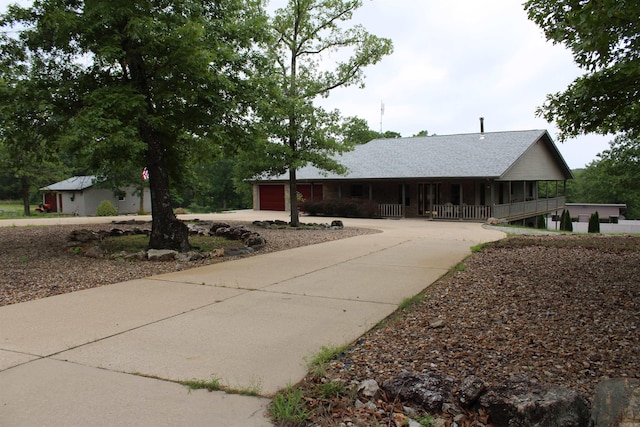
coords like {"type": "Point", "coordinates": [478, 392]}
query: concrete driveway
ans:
{"type": "Point", "coordinates": [112, 355]}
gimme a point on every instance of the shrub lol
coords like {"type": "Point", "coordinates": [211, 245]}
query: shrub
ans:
{"type": "Point", "coordinates": [565, 221]}
{"type": "Point", "coordinates": [106, 208]}
{"type": "Point", "coordinates": [541, 222]}
{"type": "Point", "coordinates": [594, 223]}
{"type": "Point", "coordinates": [350, 208]}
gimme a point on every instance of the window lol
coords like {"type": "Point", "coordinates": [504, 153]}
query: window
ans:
{"type": "Point", "coordinates": [357, 190]}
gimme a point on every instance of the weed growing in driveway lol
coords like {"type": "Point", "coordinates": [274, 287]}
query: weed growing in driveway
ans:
{"type": "Point", "coordinates": [407, 303]}
{"type": "Point", "coordinates": [212, 385]}
{"type": "Point", "coordinates": [318, 363]}
{"type": "Point", "coordinates": [288, 407]}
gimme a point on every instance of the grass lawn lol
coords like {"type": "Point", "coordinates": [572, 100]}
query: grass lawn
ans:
{"type": "Point", "coordinates": [10, 209]}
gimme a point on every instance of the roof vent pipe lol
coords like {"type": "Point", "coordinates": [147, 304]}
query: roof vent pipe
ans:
{"type": "Point", "coordinates": [481, 124]}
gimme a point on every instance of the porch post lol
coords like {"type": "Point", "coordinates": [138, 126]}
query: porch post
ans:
{"type": "Point", "coordinates": [404, 195]}
{"type": "Point", "coordinates": [460, 213]}
{"type": "Point", "coordinates": [431, 200]}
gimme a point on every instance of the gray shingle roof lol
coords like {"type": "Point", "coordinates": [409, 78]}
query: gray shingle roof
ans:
{"type": "Point", "coordinates": [76, 183]}
{"type": "Point", "coordinates": [461, 156]}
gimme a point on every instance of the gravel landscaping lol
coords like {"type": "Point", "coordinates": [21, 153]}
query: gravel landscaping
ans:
{"type": "Point", "coordinates": [561, 309]}
{"type": "Point", "coordinates": [37, 262]}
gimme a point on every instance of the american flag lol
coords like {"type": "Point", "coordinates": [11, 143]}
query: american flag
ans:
{"type": "Point", "coordinates": [145, 174]}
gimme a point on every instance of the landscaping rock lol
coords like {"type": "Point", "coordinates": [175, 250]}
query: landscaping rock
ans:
{"type": "Point", "coordinates": [82, 236]}
{"type": "Point", "coordinates": [428, 390]}
{"type": "Point", "coordinates": [94, 252]}
{"type": "Point", "coordinates": [337, 225]}
{"type": "Point", "coordinates": [616, 403]}
{"type": "Point", "coordinates": [161, 255]}
{"type": "Point", "coordinates": [470, 390]}
{"type": "Point", "coordinates": [368, 388]}
{"type": "Point", "coordinates": [255, 241]}
{"type": "Point", "coordinates": [520, 402]}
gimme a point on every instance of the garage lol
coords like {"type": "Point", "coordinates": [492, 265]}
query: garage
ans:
{"type": "Point", "coordinates": [272, 197]}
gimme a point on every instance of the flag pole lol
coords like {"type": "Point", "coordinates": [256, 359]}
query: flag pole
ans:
{"type": "Point", "coordinates": [381, 114]}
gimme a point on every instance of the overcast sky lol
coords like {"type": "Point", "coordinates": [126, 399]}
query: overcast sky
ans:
{"type": "Point", "coordinates": [455, 61]}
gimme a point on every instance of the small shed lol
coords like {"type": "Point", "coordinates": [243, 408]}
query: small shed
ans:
{"type": "Point", "coordinates": [80, 196]}
{"type": "Point", "coordinates": [582, 211]}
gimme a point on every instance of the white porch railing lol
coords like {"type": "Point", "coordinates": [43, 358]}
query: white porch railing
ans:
{"type": "Point", "coordinates": [390, 210]}
{"type": "Point", "coordinates": [507, 211]}
{"type": "Point", "coordinates": [461, 212]}
{"type": "Point", "coordinates": [531, 207]}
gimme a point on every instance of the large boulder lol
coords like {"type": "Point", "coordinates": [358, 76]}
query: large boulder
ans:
{"type": "Point", "coordinates": [161, 255]}
{"type": "Point", "coordinates": [520, 402]}
{"type": "Point", "coordinates": [427, 390]}
{"type": "Point", "coordinates": [616, 403]}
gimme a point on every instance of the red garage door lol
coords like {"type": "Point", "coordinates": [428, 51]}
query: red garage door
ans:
{"type": "Point", "coordinates": [272, 197]}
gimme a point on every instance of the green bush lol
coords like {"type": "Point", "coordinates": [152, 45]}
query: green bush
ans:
{"type": "Point", "coordinates": [541, 222]}
{"type": "Point", "coordinates": [106, 208]}
{"type": "Point", "coordinates": [594, 222]}
{"type": "Point", "coordinates": [565, 221]}
{"type": "Point", "coordinates": [349, 208]}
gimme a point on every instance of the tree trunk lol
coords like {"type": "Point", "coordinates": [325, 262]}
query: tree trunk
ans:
{"type": "Point", "coordinates": [24, 189]}
{"type": "Point", "coordinates": [293, 198]}
{"type": "Point", "coordinates": [167, 232]}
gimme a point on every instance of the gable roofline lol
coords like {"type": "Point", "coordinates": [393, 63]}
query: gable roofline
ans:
{"type": "Point", "coordinates": [460, 156]}
{"type": "Point", "coordinates": [555, 153]}
{"type": "Point", "coordinates": [75, 183]}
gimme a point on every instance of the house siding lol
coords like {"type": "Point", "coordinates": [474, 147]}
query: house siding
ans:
{"type": "Point", "coordinates": [537, 163]}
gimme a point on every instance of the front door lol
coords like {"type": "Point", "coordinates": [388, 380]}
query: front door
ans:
{"type": "Point", "coordinates": [429, 194]}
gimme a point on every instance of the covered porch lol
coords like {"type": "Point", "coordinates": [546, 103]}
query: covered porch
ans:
{"type": "Point", "coordinates": [471, 200]}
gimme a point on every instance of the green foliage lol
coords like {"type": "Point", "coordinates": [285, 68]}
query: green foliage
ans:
{"type": "Point", "coordinates": [594, 223]}
{"type": "Point", "coordinates": [356, 131]}
{"type": "Point", "coordinates": [614, 177]}
{"type": "Point", "coordinates": [212, 385]}
{"type": "Point", "coordinates": [317, 364]}
{"type": "Point", "coordinates": [106, 208]}
{"type": "Point", "coordinates": [410, 302]}
{"type": "Point", "coordinates": [565, 221]}
{"type": "Point", "coordinates": [349, 208]}
{"type": "Point", "coordinates": [603, 37]}
{"type": "Point", "coordinates": [297, 132]}
{"type": "Point", "coordinates": [391, 134]}
{"type": "Point", "coordinates": [426, 420]}
{"type": "Point", "coordinates": [144, 83]}
{"type": "Point", "coordinates": [288, 408]}
{"type": "Point", "coordinates": [541, 222]}
{"type": "Point", "coordinates": [331, 389]}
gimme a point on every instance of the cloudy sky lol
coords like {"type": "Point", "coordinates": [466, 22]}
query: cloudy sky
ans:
{"type": "Point", "coordinates": [455, 61]}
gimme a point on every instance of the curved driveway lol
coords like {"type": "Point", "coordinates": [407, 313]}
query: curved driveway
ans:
{"type": "Point", "coordinates": [109, 355]}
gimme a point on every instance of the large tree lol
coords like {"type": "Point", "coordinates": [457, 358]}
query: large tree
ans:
{"type": "Point", "coordinates": [155, 80]}
{"type": "Point", "coordinates": [614, 177]}
{"type": "Point", "coordinates": [604, 37]}
{"type": "Point", "coordinates": [298, 132]}
{"type": "Point", "coordinates": [30, 116]}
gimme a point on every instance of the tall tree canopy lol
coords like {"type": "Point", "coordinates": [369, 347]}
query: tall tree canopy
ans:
{"type": "Point", "coordinates": [604, 37]}
{"type": "Point", "coordinates": [308, 36]}
{"type": "Point", "coordinates": [614, 177]}
{"type": "Point", "coordinates": [31, 113]}
{"type": "Point", "coordinates": [154, 82]}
